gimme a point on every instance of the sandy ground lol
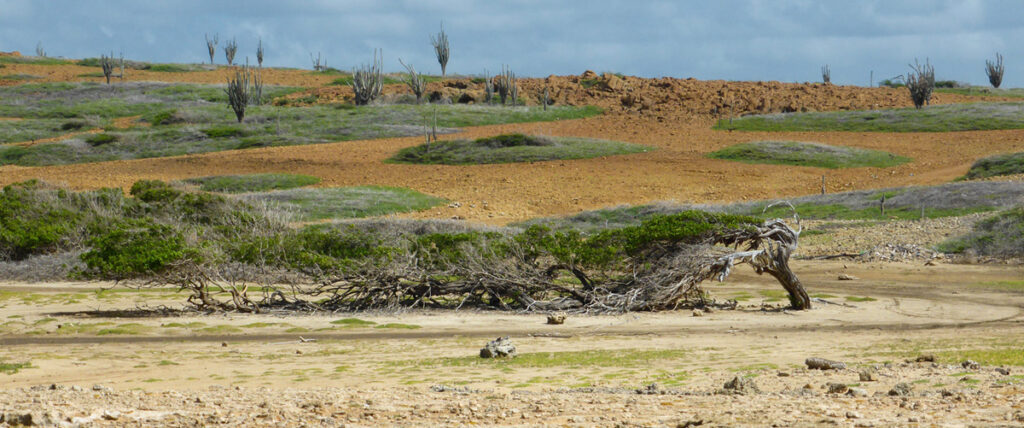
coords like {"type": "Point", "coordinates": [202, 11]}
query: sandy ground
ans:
{"type": "Point", "coordinates": [583, 373]}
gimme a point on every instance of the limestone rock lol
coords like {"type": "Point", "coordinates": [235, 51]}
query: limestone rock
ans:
{"type": "Point", "coordinates": [501, 347]}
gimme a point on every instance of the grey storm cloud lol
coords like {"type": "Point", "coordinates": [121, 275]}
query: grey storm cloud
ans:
{"type": "Point", "coordinates": [730, 39]}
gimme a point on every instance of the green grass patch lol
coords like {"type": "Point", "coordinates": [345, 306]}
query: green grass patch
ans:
{"type": "Point", "coordinates": [35, 60]}
{"type": "Point", "coordinates": [349, 202]}
{"type": "Point", "coordinates": [984, 91]}
{"type": "Point", "coordinates": [994, 166]}
{"type": "Point", "coordinates": [939, 118]}
{"type": "Point", "coordinates": [399, 326]}
{"type": "Point", "coordinates": [1001, 285]}
{"type": "Point", "coordinates": [353, 322]}
{"type": "Point", "coordinates": [124, 329]}
{"type": "Point", "coordinates": [252, 182]}
{"type": "Point", "coordinates": [19, 77]}
{"type": "Point", "coordinates": [12, 368]}
{"type": "Point", "coordinates": [842, 212]}
{"type": "Point", "coordinates": [860, 299]}
{"type": "Point", "coordinates": [512, 148]}
{"type": "Point", "coordinates": [193, 119]}
{"type": "Point", "coordinates": [807, 154]}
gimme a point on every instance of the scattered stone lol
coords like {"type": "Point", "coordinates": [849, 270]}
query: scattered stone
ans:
{"type": "Point", "coordinates": [501, 347]}
{"type": "Point", "coordinates": [698, 313]}
{"type": "Point", "coordinates": [837, 388]}
{"type": "Point", "coordinates": [847, 277]}
{"type": "Point", "coordinates": [815, 363]}
{"type": "Point", "coordinates": [1002, 371]}
{"type": "Point", "coordinates": [808, 386]}
{"type": "Point", "coordinates": [901, 390]}
{"type": "Point", "coordinates": [740, 385]}
{"type": "Point", "coordinates": [783, 374]}
{"type": "Point", "coordinates": [868, 375]}
{"type": "Point", "coordinates": [556, 319]}
{"type": "Point", "coordinates": [224, 344]}
{"type": "Point", "coordinates": [857, 392]}
{"type": "Point", "coordinates": [970, 365]}
{"type": "Point", "coordinates": [652, 389]}
{"type": "Point", "coordinates": [457, 389]}
{"type": "Point", "coordinates": [853, 415]}
{"type": "Point", "coordinates": [101, 388]}
{"type": "Point", "coordinates": [16, 419]}
{"type": "Point", "coordinates": [925, 358]}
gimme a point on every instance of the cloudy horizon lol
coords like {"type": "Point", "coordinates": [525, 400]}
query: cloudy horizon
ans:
{"type": "Point", "coordinates": [787, 41]}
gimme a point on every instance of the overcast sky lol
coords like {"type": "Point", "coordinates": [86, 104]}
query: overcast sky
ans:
{"type": "Point", "coordinates": [730, 39]}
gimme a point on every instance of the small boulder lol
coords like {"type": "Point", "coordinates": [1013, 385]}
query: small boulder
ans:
{"type": "Point", "coordinates": [925, 358]}
{"type": "Point", "coordinates": [970, 365]}
{"type": "Point", "coordinates": [847, 277]}
{"type": "Point", "coordinates": [1003, 371]}
{"type": "Point", "coordinates": [740, 385]}
{"type": "Point", "coordinates": [556, 319]}
{"type": "Point", "coordinates": [868, 375]}
{"type": "Point", "coordinates": [837, 388]}
{"type": "Point", "coordinates": [698, 313]}
{"type": "Point", "coordinates": [901, 390]}
{"type": "Point", "coordinates": [501, 347]}
{"type": "Point", "coordinates": [823, 364]}
{"type": "Point", "coordinates": [857, 392]}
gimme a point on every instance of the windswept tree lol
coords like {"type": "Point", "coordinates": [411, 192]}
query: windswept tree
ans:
{"type": "Point", "coordinates": [826, 74]}
{"type": "Point", "coordinates": [211, 45]}
{"type": "Point", "coordinates": [440, 43]}
{"type": "Point", "coordinates": [995, 70]}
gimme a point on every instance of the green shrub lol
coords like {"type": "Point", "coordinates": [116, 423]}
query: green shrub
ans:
{"type": "Point", "coordinates": [134, 248]}
{"type": "Point", "coordinates": [72, 125]}
{"type": "Point", "coordinates": [30, 224]}
{"type": "Point", "coordinates": [993, 166]}
{"type": "Point", "coordinates": [154, 191]}
{"type": "Point", "coordinates": [252, 182]}
{"type": "Point", "coordinates": [224, 132]}
{"type": "Point", "coordinates": [96, 140]}
{"type": "Point", "coordinates": [164, 117]}
{"type": "Point", "coordinates": [1000, 235]}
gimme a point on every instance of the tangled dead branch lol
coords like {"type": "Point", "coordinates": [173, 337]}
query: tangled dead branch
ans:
{"type": "Point", "coordinates": [663, 275]}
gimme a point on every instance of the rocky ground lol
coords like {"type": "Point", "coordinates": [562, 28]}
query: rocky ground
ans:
{"type": "Point", "coordinates": [904, 394]}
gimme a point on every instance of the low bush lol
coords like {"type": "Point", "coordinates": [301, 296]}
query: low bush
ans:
{"type": "Point", "coordinates": [994, 166]}
{"type": "Point", "coordinates": [808, 154]}
{"type": "Point", "coordinates": [1001, 235]}
{"type": "Point", "coordinates": [132, 249]}
{"type": "Point", "coordinates": [252, 182]}
{"type": "Point", "coordinates": [224, 132]}
{"type": "Point", "coordinates": [96, 140]}
{"type": "Point", "coordinates": [512, 148]}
